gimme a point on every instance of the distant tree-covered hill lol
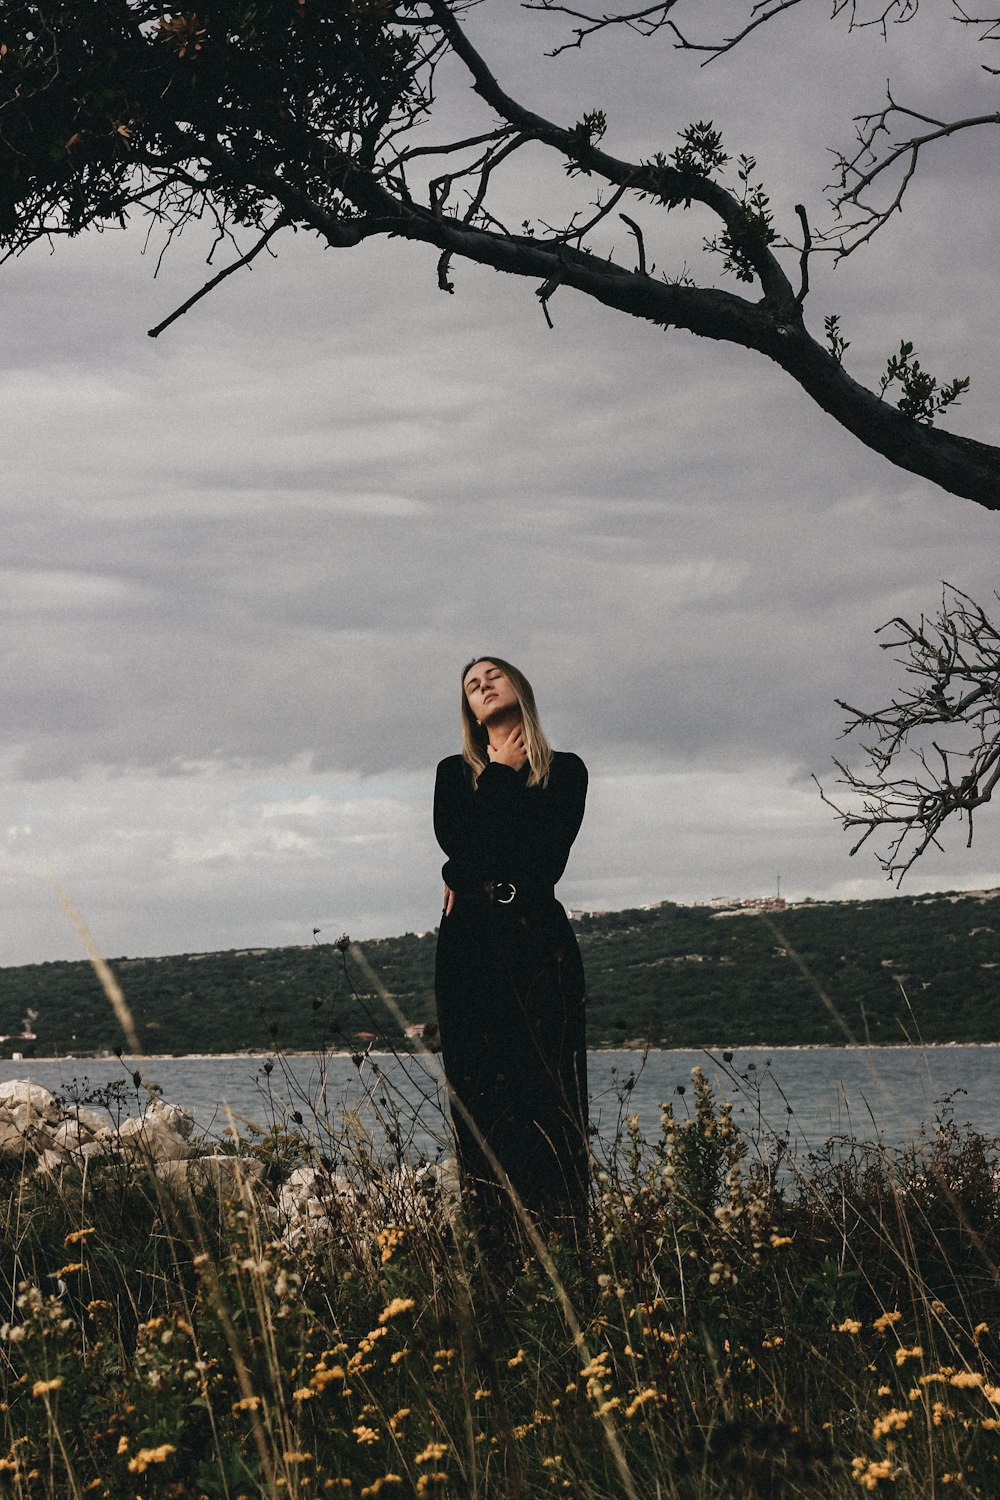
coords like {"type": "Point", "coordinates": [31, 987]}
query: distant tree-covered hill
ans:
{"type": "Point", "coordinates": [922, 967]}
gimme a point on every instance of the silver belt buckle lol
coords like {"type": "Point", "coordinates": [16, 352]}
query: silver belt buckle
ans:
{"type": "Point", "coordinates": [504, 885]}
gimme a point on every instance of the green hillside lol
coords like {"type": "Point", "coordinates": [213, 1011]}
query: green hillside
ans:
{"type": "Point", "coordinates": [919, 967]}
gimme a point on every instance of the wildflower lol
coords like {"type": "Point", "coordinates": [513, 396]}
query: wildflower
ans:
{"type": "Point", "coordinates": [777, 1240]}
{"type": "Point", "coordinates": [303, 1394]}
{"type": "Point", "coordinates": [966, 1380]}
{"type": "Point", "coordinates": [395, 1307]}
{"type": "Point", "coordinates": [388, 1241]}
{"type": "Point", "coordinates": [883, 1390]}
{"type": "Point", "coordinates": [366, 1434]}
{"type": "Point", "coordinates": [147, 1456]}
{"type": "Point", "coordinates": [849, 1325]}
{"type": "Point", "coordinates": [518, 1359]}
{"type": "Point", "coordinates": [426, 1480]}
{"type": "Point", "coordinates": [886, 1321]}
{"type": "Point", "coordinates": [990, 1424]}
{"type": "Point", "coordinates": [903, 1354]}
{"type": "Point", "coordinates": [246, 1403]}
{"type": "Point", "coordinates": [122, 1445]}
{"type": "Point", "coordinates": [481, 1394]}
{"type": "Point", "coordinates": [979, 1329]}
{"type": "Point", "coordinates": [379, 1484]}
{"type": "Point", "coordinates": [992, 1393]}
{"type": "Point", "coordinates": [74, 1265]}
{"type": "Point", "coordinates": [774, 1342]}
{"type": "Point", "coordinates": [893, 1420]}
{"type": "Point", "coordinates": [77, 1236]}
{"type": "Point", "coordinates": [952, 1478]}
{"type": "Point", "coordinates": [398, 1418]}
{"type": "Point", "coordinates": [431, 1453]}
{"type": "Point", "coordinates": [640, 1399]}
{"type": "Point", "coordinates": [868, 1474]}
{"type": "Point", "coordinates": [941, 1413]}
{"type": "Point", "coordinates": [293, 1456]}
{"type": "Point", "coordinates": [445, 1353]}
{"type": "Point", "coordinates": [42, 1387]}
{"type": "Point", "coordinates": [399, 1354]}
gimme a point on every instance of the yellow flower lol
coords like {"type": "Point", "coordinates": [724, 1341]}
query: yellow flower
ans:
{"type": "Point", "coordinates": [966, 1380]}
{"type": "Point", "coordinates": [517, 1360]}
{"type": "Point", "coordinates": [482, 1394]}
{"type": "Point", "coordinates": [399, 1354]}
{"type": "Point", "coordinates": [379, 1484]}
{"type": "Point", "coordinates": [77, 1236]}
{"type": "Point", "coordinates": [883, 1390]}
{"type": "Point", "coordinates": [395, 1307]}
{"type": "Point", "coordinates": [886, 1321]}
{"type": "Point", "coordinates": [903, 1354]}
{"type": "Point", "coordinates": [74, 1265]}
{"type": "Point", "coordinates": [992, 1393]}
{"type": "Point", "coordinates": [952, 1478]}
{"type": "Point", "coordinates": [388, 1240]}
{"type": "Point", "coordinates": [398, 1417]}
{"type": "Point", "coordinates": [122, 1445]}
{"type": "Point", "coordinates": [869, 1474]}
{"type": "Point", "coordinates": [777, 1240]}
{"type": "Point", "coordinates": [640, 1399]}
{"type": "Point", "coordinates": [893, 1420]}
{"type": "Point", "coordinates": [246, 1403]}
{"type": "Point", "coordinates": [980, 1328]}
{"type": "Point", "coordinates": [849, 1325]}
{"type": "Point", "coordinates": [990, 1424]}
{"type": "Point", "coordinates": [303, 1394]}
{"type": "Point", "coordinates": [293, 1456]}
{"type": "Point", "coordinates": [42, 1387]}
{"type": "Point", "coordinates": [431, 1453]}
{"type": "Point", "coordinates": [366, 1434]}
{"type": "Point", "coordinates": [426, 1480]}
{"type": "Point", "coordinates": [147, 1456]}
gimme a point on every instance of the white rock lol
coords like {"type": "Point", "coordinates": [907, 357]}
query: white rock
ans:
{"type": "Point", "coordinates": [23, 1091]}
{"type": "Point", "coordinates": [12, 1141]}
{"type": "Point", "coordinates": [173, 1117]}
{"type": "Point", "coordinates": [147, 1137]}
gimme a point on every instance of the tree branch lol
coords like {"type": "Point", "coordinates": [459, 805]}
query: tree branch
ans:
{"type": "Point", "coordinates": [280, 222]}
{"type": "Point", "coordinates": [954, 661]}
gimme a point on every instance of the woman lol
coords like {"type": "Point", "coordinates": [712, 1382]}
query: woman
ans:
{"type": "Point", "coordinates": [509, 979]}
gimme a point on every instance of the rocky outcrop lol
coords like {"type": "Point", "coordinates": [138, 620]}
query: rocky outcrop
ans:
{"type": "Point", "coordinates": [40, 1134]}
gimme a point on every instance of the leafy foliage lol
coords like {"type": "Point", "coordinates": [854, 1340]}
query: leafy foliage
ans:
{"type": "Point", "coordinates": [920, 395]}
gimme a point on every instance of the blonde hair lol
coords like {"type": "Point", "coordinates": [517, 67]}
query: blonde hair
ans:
{"type": "Point", "coordinates": [475, 737]}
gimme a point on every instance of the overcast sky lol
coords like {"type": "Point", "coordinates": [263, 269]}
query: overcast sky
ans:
{"type": "Point", "coordinates": [243, 565]}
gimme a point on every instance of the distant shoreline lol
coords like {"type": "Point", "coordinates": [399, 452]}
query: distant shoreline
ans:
{"type": "Point", "coordinates": [152, 1057]}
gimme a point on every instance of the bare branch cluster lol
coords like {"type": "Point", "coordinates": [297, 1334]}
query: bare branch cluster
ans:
{"type": "Point", "coordinates": [874, 162]}
{"type": "Point", "coordinates": [934, 750]}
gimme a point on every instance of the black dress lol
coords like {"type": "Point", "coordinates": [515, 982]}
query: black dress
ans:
{"type": "Point", "coordinates": [509, 983]}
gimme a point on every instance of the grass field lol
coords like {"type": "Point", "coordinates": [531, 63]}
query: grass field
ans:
{"type": "Point", "coordinates": [736, 1325]}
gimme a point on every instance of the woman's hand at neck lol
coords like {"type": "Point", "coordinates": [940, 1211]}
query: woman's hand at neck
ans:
{"type": "Point", "coordinates": [506, 746]}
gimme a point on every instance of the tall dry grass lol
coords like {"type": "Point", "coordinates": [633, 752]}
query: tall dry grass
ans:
{"type": "Point", "coordinates": [738, 1324]}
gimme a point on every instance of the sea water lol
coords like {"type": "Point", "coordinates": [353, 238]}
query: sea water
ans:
{"type": "Point", "coordinates": [810, 1093]}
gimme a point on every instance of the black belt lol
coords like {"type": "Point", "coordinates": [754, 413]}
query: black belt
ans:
{"type": "Point", "coordinates": [500, 892]}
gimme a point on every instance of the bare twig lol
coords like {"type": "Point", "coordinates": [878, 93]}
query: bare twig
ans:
{"type": "Point", "coordinates": [280, 222]}
{"type": "Point", "coordinates": [954, 663]}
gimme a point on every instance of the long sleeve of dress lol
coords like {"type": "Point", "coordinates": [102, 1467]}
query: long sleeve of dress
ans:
{"type": "Point", "coordinates": [504, 830]}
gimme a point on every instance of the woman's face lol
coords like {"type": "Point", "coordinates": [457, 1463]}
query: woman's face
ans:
{"type": "Point", "coordinates": [489, 691]}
